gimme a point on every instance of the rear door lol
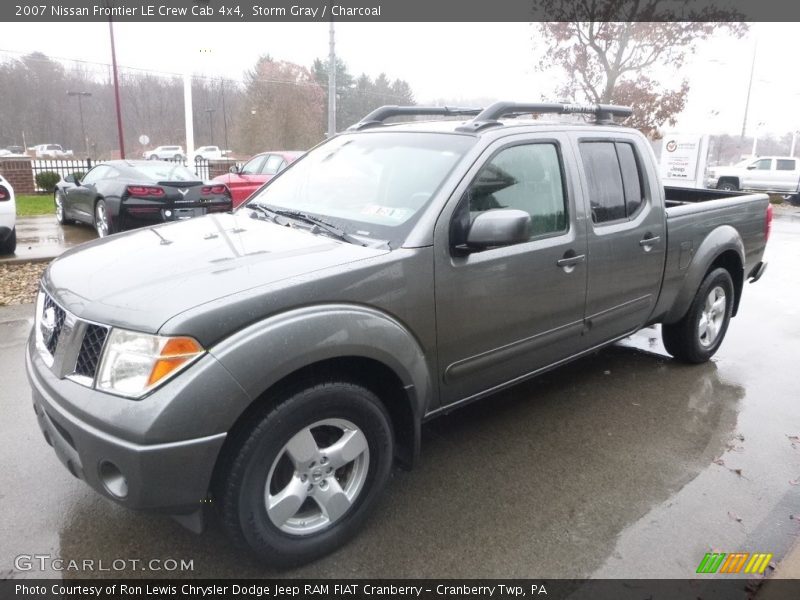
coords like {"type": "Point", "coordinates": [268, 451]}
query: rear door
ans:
{"type": "Point", "coordinates": [786, 175]}
{"type": "Point", "coordinates": [626, 237]}
{"type": "Point", "coordinates": [502, 313]}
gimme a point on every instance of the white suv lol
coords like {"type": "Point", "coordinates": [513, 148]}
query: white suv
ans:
{"type": "Point", "coordinates": [209, 153]}
{"type": "Point", "coordinates": [8, 218]}
{"type": "Point", "coordinates": [164, 153]}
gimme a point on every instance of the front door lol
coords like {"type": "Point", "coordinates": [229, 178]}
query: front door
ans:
{"type": "Point", "coordinates": [503, 313]}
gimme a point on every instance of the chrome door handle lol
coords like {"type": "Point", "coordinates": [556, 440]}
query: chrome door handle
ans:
{"type": "Point", "coordinates": [649, 241]}
{"type": "Point", "coordinates": [571, 261]}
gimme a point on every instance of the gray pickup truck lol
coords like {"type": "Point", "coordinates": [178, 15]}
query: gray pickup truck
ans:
{"type": "Point", "coordinates": [274, 363]}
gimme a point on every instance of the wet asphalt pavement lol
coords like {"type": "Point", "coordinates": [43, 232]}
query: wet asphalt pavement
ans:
{"type": "Point", "coordinates": [623, 464]}
{"type": "Point", "coordinates": [41, 237]}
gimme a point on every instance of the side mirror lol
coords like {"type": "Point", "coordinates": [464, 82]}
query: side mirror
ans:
{"type": "Point", "coordinates": [70, 178]}
{"type": "Point", "coordinates": [233, 169]}
{"type": "Point", "coordinates": [751, 167]}
{"type": "Point", "coordinates": [499, 227]}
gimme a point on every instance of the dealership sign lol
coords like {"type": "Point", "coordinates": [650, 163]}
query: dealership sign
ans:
{"type": "Point", "coordinates": [683, 160]}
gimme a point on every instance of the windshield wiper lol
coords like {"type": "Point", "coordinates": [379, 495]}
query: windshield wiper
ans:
{"type": "Point", "coordinates": [272, 215]}
{"type": "Point", "coordinates": [318, 224]}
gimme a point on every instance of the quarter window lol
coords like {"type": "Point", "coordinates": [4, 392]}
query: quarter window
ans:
{"type": "Point", "coordinates": [785, 165]}
{"type": "Point", "coordinates": [526, 177]}
{"type": "Point", "coordinates": [614, 179]}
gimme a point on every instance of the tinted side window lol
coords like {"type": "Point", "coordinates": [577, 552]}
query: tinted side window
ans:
{"type": "Point", "coordinates": [631, 178]}
{"type": "Point", "coordinates": [606, 195]}
{"type": "Point", "coordinates": [785, 165]}
{"type": "Point", "coordinates": [525, 178]}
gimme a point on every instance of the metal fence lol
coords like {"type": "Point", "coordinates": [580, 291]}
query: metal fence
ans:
{"type": "Point", "coordinates": [68, 166]}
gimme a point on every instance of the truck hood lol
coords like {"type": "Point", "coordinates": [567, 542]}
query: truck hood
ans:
{"type": "Point", "coordinates": [140, 279]}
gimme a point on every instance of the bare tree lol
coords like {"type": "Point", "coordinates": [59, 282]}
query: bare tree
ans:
{"type": "Point", "coordinates": [609, 61]}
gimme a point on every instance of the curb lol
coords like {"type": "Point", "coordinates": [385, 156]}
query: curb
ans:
{"type": "Point", "coordinates": [23, 260]}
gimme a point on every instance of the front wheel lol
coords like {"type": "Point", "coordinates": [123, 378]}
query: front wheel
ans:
{"type": "Point", "coordinates": [728, 186]}
{"type": "Point", "coordinates": [301, 482]}
{"type": "Point", "coordinates": [698, 335]}
{"type": "Point", "coordinates": [58, 199]}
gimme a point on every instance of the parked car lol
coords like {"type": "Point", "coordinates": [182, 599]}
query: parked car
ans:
{"type": "Point", "coordinates": [245, 180]}
{"type": "Point", "coordinates": [766, 173]}
{"type": "Point", "coordinates": [273, 363]}
{"type": "Point", "coordinates": [209, 153]}
{"type": "Point", "coordinates": [164, 153]}
{"type": "Point", "coordinates": [51, 151]}
{"type": "Point", "coordinates": [125, 194]}
{"type": "Point", "coordinates": [8, 218]}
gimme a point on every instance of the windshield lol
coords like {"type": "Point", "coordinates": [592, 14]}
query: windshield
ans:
{"type": "Point", "coordinates": [371, 185]}
{"type": "Point", "coordinates": [166, 171]}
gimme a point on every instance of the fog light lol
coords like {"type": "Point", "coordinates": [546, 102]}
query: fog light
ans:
{"type": "Point", "coordinates": [167, 213]}
{"type": "Point", "coordinates": [113, 479]}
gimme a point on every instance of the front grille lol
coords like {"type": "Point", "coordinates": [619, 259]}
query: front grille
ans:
{"type": "Point", "coordinates": [70, 346]}
{"type": "Point", "coordinates": [91, 347]}
{"type": "Point", "coordinates": [51, 323]}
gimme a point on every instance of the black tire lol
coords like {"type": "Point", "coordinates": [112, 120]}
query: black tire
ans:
{"type": "Point", "coordinates": [9, 245]}
{"type": "Point", "coordinates": [248, 465]}
{"type": "Point", "coordinates": [728, 186]}
{"type": "Point", "coordinates": [683, 339]}
{"type": "Point", "coordinates": [153, 157]}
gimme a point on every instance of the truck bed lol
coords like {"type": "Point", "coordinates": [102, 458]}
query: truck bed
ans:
{"type": "Point", "coordinates": [692, 215]}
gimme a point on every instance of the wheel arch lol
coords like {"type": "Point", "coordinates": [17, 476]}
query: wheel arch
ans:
{"type": "Point", "coordinates": [353, 343]}
{"type": "Point", "coordinates": [734, 179]}
{"type": "Point", "coordinates": [723, 248]}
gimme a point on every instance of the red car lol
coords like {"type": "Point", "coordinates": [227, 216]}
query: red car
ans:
{"type": "Point", "coordinates": [256, 172]}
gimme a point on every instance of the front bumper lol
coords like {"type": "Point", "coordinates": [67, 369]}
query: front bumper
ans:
{"type": "Point", "coordinates": [171, 477]}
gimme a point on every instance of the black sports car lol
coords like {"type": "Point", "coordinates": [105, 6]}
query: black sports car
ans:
{"type": "Point", "coordinates": [126, 194]}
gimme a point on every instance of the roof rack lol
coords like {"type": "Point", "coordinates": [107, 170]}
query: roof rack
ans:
{"type": "Point", "coordinates": [604, 113]}
{"type": "Point", "coordinates": [379, 115]}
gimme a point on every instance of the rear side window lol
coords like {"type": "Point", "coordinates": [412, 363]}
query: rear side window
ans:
{"type": "Point", "coordinates": [785, 165]}
{"type": "Point", "coordinates": [526, 177]}
{"type": "Point", "coordinates": [614, 179]}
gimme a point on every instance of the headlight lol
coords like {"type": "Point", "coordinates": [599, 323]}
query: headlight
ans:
{"type": "Point", "coordinates": [134, 363]}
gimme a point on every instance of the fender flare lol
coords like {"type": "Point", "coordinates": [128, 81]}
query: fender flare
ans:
{"type": "Point", "coordinates": [270, 350]}
{"type": "Point", "coordinates": [720, 240]}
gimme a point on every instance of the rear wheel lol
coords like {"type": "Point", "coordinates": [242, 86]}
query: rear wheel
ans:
{"type": "Point", "coordinates": [698, 335]}
{"type": "Point", "coordinates": [103, 223]}
{"type": "Point", "coordinates": [9, 245]}
{"type": "Point", "coordinates": [301, 482]}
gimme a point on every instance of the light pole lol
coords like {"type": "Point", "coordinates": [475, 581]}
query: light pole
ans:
{"type": "Point", "coordinates": [332, 83]}
{"type": "Point", "coordinates": [210, 113]}
{"type": "Point", "coordinates": [80, 96]}
{"type": "Point", "coordinates": [755, 138]}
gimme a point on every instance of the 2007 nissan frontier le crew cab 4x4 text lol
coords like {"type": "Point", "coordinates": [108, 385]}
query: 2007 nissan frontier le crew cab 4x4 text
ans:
{"type": "Point", "coordinates": [274, 363]}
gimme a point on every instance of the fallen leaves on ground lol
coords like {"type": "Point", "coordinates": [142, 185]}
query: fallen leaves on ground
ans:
{"type": "Point", "coordinates": [19, 283]}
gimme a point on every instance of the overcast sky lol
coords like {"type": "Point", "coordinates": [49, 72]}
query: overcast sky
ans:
{"type": "Point", "coordinates": [440, 61]}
